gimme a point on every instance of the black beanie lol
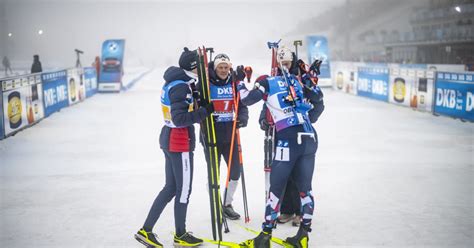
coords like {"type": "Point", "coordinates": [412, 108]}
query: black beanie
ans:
{"type": "Point", "coordinates": [188, 60]}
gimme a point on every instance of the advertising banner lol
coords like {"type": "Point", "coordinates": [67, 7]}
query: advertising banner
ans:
{"type": "Point", "coordinates": [23, 102]}
{"type": "Point", "coordinates": [55, 91]}
{"type": "Point", "coordinates": [424, 86]}
{"type": "Point", "coordinates": [372, 82]}
{"type": "Point", "coordinates": [90, 81]}
{"type": "Point", "coordinates": [318, 49]}
{"type": "Point", "coordinates": [111, 68]}
{"type": "Point", "coordinates": [402, 87]}
{"type": "Point", "coordinates": [345, 76]}
{"type": "Point", "coordinates": [338, 72]}
{"type": "Point", "coordinates": [76, 87]}
{"type": "Point", "coordinates": [446, 67]}
{"type": "Point", "coordinates": [454, 95]}
{"type": "Point", "coordinates": [2, 129]}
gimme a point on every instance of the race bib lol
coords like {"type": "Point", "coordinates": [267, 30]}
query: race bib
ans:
{"type": "Point", "coordinates": [282, 151]}
{"type": "Point", "coordinates": [224, 110]}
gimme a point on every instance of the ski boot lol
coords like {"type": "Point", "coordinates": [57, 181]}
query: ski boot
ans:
{"type": "Point", "coordinates": [300, 240]}
{"type": "Point", "coordinates": [296, 220]}
{"type": "Point", "coordinates": [230, 213]}
{"type": "Point", "coordinates": [261, 241]}
{"type": "Point", "coordinates": [187, 239]}
{"type": "Point", "coordinates": [149, 239]}
{"type": "Point", "coordinates": [283, 218]}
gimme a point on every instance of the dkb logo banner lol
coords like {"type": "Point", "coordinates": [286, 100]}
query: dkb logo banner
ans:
{"type": "Point", "coordinates": [372, 82]}
{"type": "Point", "coordinates": [454, 95]}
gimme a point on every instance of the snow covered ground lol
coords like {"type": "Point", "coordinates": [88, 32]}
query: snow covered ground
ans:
{"type": "Point", "coordinates": [385, 176]}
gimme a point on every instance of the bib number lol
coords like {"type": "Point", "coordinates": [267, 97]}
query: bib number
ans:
{"type": "Point", "coordinates": [282, 151]}
{"type": "Point", "coordinates": [224, 110]}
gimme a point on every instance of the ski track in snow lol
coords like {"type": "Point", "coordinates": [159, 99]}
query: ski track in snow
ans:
{"type": "Point", "coordinates": [385, 176]}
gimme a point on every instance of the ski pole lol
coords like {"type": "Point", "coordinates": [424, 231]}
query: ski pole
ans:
{"type": "Point", "coordinates": [244, 187]}
{"type": "Point", "coordinates": [274, 46]}
{"type": "Point", "coordinates": [210, 50]}
{"type": "Point", "coordinates": [235, 132]}
{"type": "Point", "coordinates": [232, 139]}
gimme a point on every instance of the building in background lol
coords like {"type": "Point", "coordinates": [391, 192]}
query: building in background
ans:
{"type": "Point", "coordinates": [398, 31]}
{"type": "Point", "coordinates": [441, 33]}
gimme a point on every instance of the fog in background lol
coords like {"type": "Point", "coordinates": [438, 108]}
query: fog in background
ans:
{"type": "Point", "coordinates": [155, 31]}
{"type": "Point", "coordinates": [382, 31]}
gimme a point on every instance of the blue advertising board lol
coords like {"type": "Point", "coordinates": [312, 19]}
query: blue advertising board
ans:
{"type": "Point", "coordinates": [454, 95]}
{"type": "Point", "coordinates": [372, 82]}
{"type": "Point", "coordinates": [111, 67]}
{"type": "Point", "coordinates": [90, 80]}
{"type": "Point", "coordinates": [55, 91]}
{"type": "Point", "coordinates": [318, 48]}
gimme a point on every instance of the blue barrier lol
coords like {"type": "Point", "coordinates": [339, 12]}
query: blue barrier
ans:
{"type": "Point", "coordinates": [90, 80]}
{"type": "Point", "coordinates": [454, 95]}
{"type": "Point", "coordinates": [26, 99]}
{"type": "Point", "coordinates": [55, 91]}
{"type": "Point", "coordinates": [372, 82]}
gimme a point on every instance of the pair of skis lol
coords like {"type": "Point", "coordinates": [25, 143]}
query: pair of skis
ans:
{"type": "Point", "coordinates": [209, 134]}
{"type": "Point", "coordinates": [276, 240]}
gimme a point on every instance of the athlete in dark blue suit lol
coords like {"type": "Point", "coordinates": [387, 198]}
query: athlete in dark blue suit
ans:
{"type": "Point", "coordinates": [177, 140]}
{"type": "Point", "coordinates": [293, 106]}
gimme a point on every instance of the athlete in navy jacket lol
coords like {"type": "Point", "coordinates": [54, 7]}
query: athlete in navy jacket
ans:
{"type": "Point", "coordinates": [222, 97]}
{"type": "Point", "coordinates": [290, 204]}
{"type": "Point", "coordinates": [293, 107]}
{"type": "Point", "coordinates": [177, 140]}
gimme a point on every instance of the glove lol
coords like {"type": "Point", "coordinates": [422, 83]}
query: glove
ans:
{"type": "Point", "coordinates": [239, 74]}
{"type": "Point", "coordinates": [240, 85]}
{"type": "Point", "coordinates": [241, 124]}
{"type": "Point", "coordinates": [309, 81]}
{"type": "Point", "coordinates": [209, 108]}
{"type": "Point", "coordinates": [197, 96]}
{"type": "Point", "coordinates": [314, 94]}
{"type": "Point", "coordinates": [315, 67]}
{"type": "Point", "coordinates": [302, 66]}
{"type": "Point", "coordinates": [264, 125]}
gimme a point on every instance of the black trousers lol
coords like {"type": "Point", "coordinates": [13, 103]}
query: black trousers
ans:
{"type": "Point", "coordinates": [179, 179]}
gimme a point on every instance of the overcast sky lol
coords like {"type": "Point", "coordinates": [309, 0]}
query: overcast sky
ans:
{"type": "Point", "coordinates": [155, 30]}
